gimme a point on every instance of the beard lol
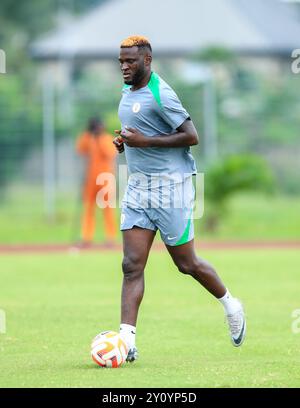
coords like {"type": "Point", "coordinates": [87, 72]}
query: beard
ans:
{"type": "Point", "coordinates": [137, 77]}
{"type": "Point", "coordinates": [128, 82]}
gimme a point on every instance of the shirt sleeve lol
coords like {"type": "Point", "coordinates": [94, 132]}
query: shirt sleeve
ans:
{"type": "Point", "coordinates": [172, 110]}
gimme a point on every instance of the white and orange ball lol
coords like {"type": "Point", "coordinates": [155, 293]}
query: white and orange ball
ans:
{"type": "Point", "coordinates": [108, 349]}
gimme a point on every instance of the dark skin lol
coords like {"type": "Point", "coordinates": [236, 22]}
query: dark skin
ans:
{"type": "Point", "coordinates": [135, 65]}
{"type": "Point", "coordinates": [186, 135]}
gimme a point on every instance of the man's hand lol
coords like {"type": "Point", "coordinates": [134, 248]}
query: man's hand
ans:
{"type": "Point", "coordinates": [118, 142]}
{"type": "Point", "coordinates": [133, 138]}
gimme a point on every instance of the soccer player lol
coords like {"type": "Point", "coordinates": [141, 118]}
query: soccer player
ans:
{"type": "Point", "coordinates": [156, 134]}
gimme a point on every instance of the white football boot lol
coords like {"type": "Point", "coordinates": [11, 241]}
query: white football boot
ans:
{"type": "Point", "coordinates": [132, 355]}
{"type": "Point", "coordinates": [237, 326]}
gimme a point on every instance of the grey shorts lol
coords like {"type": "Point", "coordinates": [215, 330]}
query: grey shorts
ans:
{"type": "Point", "coordinates": [168, 209]}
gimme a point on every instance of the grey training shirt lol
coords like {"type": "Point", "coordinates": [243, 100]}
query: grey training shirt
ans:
{"type": "Point", "coordinates": [155, 110]}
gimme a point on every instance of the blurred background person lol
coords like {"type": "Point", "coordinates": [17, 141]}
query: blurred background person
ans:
{"type": "Point", "coordinates": [96, 145]}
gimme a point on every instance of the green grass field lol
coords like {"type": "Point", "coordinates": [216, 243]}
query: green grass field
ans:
{"type": "Point", "coordinates": [250, 217]}
{"type": "Point", "coordinates": [55, 304]}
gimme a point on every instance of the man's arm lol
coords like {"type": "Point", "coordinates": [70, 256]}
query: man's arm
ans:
{"type": "Point", "coordinates": [186, 135]}
{"type": "Point", "coordinates": [82, 144]}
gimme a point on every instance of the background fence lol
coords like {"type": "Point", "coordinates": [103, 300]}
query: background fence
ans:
{"type": "Point", "coordinates": [238, 109]}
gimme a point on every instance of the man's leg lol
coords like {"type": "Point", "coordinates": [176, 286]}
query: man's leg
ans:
{"type": "Point", "coordinates": [136, 246]}
{"type": "Point", "coordinates": [110, 225]}
{"type": "Point", "coordinates": [187, 262]}
{"type": "Point", "coordinates": [88, 221]}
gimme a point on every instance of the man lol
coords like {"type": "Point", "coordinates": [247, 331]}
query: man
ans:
{"type": "Point", "coordinates": [156, 135]}
{"type": "Point", "coordinates": [96, 144]}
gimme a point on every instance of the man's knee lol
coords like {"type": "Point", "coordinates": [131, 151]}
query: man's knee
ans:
{"type": "Point", "coordinates": [132, 267]}
{"type": "Point", "coordinates": [190, 266]}
{"type": "Point", "coordinates": [186, 267]}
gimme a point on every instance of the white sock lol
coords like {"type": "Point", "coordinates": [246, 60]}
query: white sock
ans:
{"type": "Point", "coordinates": [127, 332]}
{"type": "Point", "coordinates": [231, 305]}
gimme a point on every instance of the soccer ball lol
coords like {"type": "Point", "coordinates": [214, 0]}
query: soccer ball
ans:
{"type": "Point", "coordinates": [108, 349]}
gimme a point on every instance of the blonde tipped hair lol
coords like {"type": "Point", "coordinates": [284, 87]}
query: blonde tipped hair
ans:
{"type": "Point", "coordinates": [136, 41]}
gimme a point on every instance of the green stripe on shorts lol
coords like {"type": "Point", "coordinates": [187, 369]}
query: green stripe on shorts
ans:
{"type": "Point", "coordinates": [185, 236]}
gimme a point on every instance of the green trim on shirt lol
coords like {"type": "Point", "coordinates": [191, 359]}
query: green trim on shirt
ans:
{"type": "Point", "coordinates": [153, 85]}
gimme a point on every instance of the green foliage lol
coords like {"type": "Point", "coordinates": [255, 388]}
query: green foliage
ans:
{"type": "Point", "coordinates": [20, 125]}
{"type": "Point", "coordinates": [91, 96]}
{"type": "Point", "coordinates": [26, 17]}
{"type": "Point", "coordinates": [251, 218]}
{"type": "Point", "coordinates": [23, 21]}
{"type": "Point", "coordinates": [20, 94]}
{"type": "Point", "coordinates": [214, 54]}
{"type": "Point", "coordinates": [266, 116]}
{"type": "Point", "coordinates": [232, 175]}
{"type": "Point", "coordinates": [80, 6]}
{"type": "Point", "coordinates": [32, 17]}
{"type": "Point", "coordinates": [235, 174]}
